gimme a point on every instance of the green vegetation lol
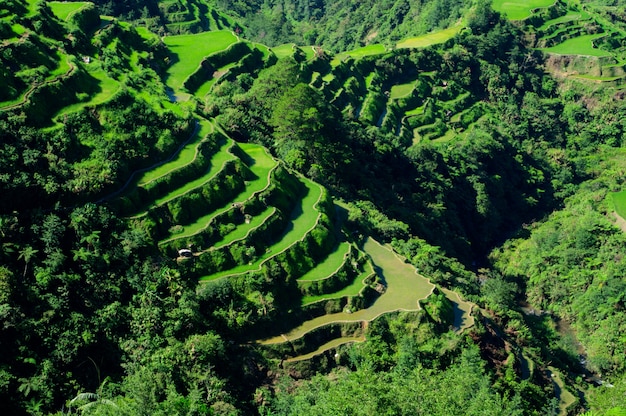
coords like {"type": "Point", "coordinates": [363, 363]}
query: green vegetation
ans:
{"type": "Point", "coordinates": [405, 288]}
{"type": "Point", "coordinates": [619, 203]}
{"type": "Point", "coordinates": [351, 290]}
{"type": "Point", "coordinates": [399, 91]}
{"type": "Point", "coordinates": [330, 264]}
{"type": "Point", "coordinates": [519, 10]}
{"type": "Point", "coordinates": [581, 45]}
{"type": "Point", "coordinates": [304, 218]}
{"type": "Point", "coordinates": [189, 51]}
{"type": "Point", "coordinates": [430, 39]}
{"type": "Point", "coordinates": [178, 188]}
{"type": "Point", "coordinates": [63, 9]}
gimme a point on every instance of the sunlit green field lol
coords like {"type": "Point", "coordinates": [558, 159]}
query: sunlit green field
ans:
{"type": "Point", "coordinates": [519, 9]}
{"type": "Point", "coordinates": [218, 160]}
{"type": "Point", "coordinates": [107, 88]}
{"type": "Point", "coordinates": [330, 265]}
{"type": "Point", "coordinates": [64, 9]}
{"type": "Point", "coordinates": [619, 202]}
{"type": "Point", "coordinates": [306, 218]}
{"type": "Point", "coordinates": [374, 49]}
{"type": "Point", "coordinates": [191, 49]}
{"type": "Point", "coordinates": [351, 290]}
{"type": "Point", "coordinates": [430, 38]}
{"type": "Point", "coordinates": [581, 45]}
{"type": "Point", "coordinates": [569, 17]}
{"type": "Point", "coordinates": [283, 51]}
{"type": "Point", "coordinates": [184, 157]}
{"type": "Point", "coordinates": [262, 168]}
{"type": "Point", "coordinates": [405, 287]}
{"type": "Point", "coordinates": [402, 90]}
{"type": "Point", "coordinates": [244, 229]}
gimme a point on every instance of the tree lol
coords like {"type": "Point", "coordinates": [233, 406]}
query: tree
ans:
{"type": "Point", "coordinates": [27, 253]}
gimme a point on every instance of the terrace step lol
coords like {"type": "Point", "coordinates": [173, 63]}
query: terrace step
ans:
{"type": "Point", "coordinates": [304, 219]}
{"type": "Point", "coordinates": [250, 175]}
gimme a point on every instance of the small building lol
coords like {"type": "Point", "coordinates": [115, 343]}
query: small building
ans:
{"type": "Point", "coordinates": [185, 252]}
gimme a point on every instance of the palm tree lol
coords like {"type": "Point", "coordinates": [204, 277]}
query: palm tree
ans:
{"type": "Point", "coordinates": [27, 254]}
{"type": "Point", "coordinates": [85, 401]}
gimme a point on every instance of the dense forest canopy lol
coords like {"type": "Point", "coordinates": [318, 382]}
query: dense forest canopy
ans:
{"type": "Point", "coordinates": [186, 181]}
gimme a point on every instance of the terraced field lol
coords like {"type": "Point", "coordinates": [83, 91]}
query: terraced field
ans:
{"type": "Point", "coordinates": [347, 268]}
{"type": "Point", "coordinates": [261, 166]}
{"type": "Point", "coordinates": [590, 43]}
{"type": "Point", "coordinates": [404, 289]}
{"type": "Point", "coordinates": [519, 9]}
{"type": "Point", "coordinates": [430, 39]}
{"type": "Point", "coordinates": [227, 210]}
{"type": "Point", "coordinates": [415, 105]}
{"type": "Point", "coordinates": [304, 218]}
{"type": "Point", "coordinates": [190, 50]}
{"type": "Point", "coordinates": [64, 10]}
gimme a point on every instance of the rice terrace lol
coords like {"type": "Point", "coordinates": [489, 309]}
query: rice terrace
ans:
{"type": "Point", "coordinates": [282, 208]}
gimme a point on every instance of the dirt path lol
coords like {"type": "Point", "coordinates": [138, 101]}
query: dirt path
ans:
{"type": "Point", "coordinates": [619, 221]}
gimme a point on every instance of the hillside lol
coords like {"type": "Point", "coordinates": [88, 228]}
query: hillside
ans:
{"type": "Point", "coordinates": [219, 207]}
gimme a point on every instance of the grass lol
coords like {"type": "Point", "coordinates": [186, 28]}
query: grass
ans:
{"type": "Point", "coordinates": [566, 399]}
{"type": "Point", "coordinates": [402, 90]}
{"type": "Point", "coordinates": [369, 78]}
{"type": "Point", "coordinates": [619, 203]}
{"type": "Point", "coordinates": [262, 168]}
{"type": "Point", "coordinates": [184, 157]}
{"type": "Point", "coordinates": [108, 88]}
{"type": "Point", "coordinates": [283, 51]}
{"type": "Point", "coordinates": [330, 265]}
{"type": "Point", "coordinates": [244, 229]}
{"type": "Point", "coordinates": [415, 112]}
{"type": "Point", "coordinates": [405, 287]}
{"type": "Point", "coordinates": [351, 290]}
{"type": "Point", "coordinates": [581, 45]}
{"type": "Point", "coordinates": [63, 9]}
{"type": "Point", "coordinates": [597, 78]}
{"type": "Point", "coordinates": [204, 89]}
{"type": "Point", "coordinates": [374, 49]}
{"type": "Point", "coordinates": [571, 16]}
{"type": "Point", "coordinates": [191, 50]}
{"type": "Point", "coordinates": [305, 217]}
{"type": "Point", "coordinates": [519, 9]}
{"type": "Point", "coordinates": [430, 38]}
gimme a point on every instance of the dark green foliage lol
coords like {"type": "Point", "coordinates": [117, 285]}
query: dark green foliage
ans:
{"type": "Point", "coordinates": [91, 310]}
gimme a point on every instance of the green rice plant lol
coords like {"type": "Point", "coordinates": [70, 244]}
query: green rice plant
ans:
{"type": "Point", "coordinates": [619, 203]}
{"type": "Point", "coordinates": [401, 90]}
{"type": "Point", "coordinates": [519, 9]}
{"type": "Point", "coordinates": [581, 45]}
{"type": "Point", "coordinates": [186, 155]}
{"type": "Point", "coordinates": [351, 290]}
{"type": "Point", "coordinates": [190, 50]}
{"type": "Point", "coordinates": [64, 9]}
{"type": "Point", "coordinates": [284, 51]}
{"type": "Point", "coordinates": [261, 164]}
{"type": "Point", "coordinates": [571, 16]}
{"type": "Point", "coordinates": [369, 50]}
{"type": "Point", "coordinates": [243, 230]}
{"type": "Point", "coordinates": [430, 39]}
{"type": "Point", "coordinates": [304, 218]}
{"type": "Point", "coordinates": [404, 289]}
{"type": "Point", "coordinates": [330, 265]}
